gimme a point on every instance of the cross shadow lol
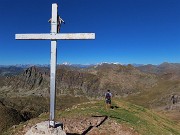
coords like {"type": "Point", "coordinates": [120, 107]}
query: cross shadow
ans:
{"type": "Point", "coordinates": [90, 127]}
{"type": "Point", "coordinates": [59, 125]}
{"type": "Point", "coordinates": [114, 107]}
{"type": "Point", "coordinates": [105, 118]}
{"type": "Point", "coordinates": [118, 118]}
{"type": "Point", "coordinates": [87, 130]}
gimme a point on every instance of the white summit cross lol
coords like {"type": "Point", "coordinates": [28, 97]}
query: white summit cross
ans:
{"type": "Point", "coordinates": [54, 36]}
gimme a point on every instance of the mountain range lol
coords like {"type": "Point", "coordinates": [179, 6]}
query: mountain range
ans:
{"type": "Point", "coordinates": [151, 86]}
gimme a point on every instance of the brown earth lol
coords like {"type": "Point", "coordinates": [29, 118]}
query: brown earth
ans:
{"type": "Point", "coordinates": [95, 125]}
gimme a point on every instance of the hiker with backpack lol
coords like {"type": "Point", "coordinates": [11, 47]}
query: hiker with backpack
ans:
{"type": "Point", "coordinates": [108, 97]}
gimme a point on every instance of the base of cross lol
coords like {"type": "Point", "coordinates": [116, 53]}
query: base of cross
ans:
{"type": "Point", "coordinates": [53, 124]}
{"type": "Point", "coordinates": [42, 129]}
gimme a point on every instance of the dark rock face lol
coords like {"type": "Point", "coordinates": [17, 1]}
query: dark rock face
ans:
{"type": "Point", "coordinates": [68, 79]}
{"type": "Point", "coordinates": [31, 78]}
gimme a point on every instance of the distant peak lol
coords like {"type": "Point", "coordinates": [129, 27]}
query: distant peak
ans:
{"type": "Point", "coordinates": [66, 63]}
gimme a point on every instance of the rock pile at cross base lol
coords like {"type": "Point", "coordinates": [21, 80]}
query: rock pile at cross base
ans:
{"type": "Point", "coordinates": [43, 129]}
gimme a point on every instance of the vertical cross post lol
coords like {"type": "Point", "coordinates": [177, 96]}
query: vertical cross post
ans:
{"type": "Point", "coordinates": [53, 66]}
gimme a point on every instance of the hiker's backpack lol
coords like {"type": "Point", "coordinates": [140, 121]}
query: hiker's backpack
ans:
{"type": "Point", "coordinates": [108, 96]}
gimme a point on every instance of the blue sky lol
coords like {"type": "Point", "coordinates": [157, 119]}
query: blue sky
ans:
{"type": "Point", "coordinates": [127, 31]}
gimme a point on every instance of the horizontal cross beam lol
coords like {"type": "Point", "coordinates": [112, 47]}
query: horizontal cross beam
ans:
{"type": "Point", "coordinates": [61, 36]}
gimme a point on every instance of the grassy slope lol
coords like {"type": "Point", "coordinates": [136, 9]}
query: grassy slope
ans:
{"type": "Point", "coordinates": [140, 119]}
{"type": "Point", "coordinates": [155, 96]}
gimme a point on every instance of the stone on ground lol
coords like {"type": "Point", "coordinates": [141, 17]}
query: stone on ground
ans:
{"type": "Point", "coordinates": [43, 129]}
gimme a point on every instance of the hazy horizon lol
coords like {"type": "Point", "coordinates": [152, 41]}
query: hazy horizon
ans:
{"type": "Point", "coordinates": [65, 63]}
